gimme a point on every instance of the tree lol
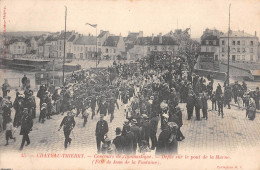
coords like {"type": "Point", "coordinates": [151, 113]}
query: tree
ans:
{"type": "Point", "coordinates": [188, 48]}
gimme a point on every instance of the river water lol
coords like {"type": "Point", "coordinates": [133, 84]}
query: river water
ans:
{"type": "Point", "coordinates": [15, 77]}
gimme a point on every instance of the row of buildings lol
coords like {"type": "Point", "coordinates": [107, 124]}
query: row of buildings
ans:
{"type": "Point", "coordinates": [242, 46]}
{"type": "Point", "coordinates": [214, 45]}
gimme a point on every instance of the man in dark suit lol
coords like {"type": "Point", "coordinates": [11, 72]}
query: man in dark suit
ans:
{"type": "Point", "coordinates": [26, 127]}
{"type": "Point", "coordinates": [190, 105]}
{"type": "Point", "coordinates": [68, 124]}
{"type": "Point", "coordinates": [101, 131]}
{"type": "Point", "coordinates": [103, 107]}
{"type": "Point", "coordinates": [153, 130]}
{"type": "Point", "coordinates": [129, 141]}
{"type": "Point", "coordinates": [119, 141]}
{"type": "Point", "coordinates": [137, 134]}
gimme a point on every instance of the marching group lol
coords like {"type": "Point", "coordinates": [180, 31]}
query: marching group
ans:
{"type": "Point", "coordinates": [148, 97]}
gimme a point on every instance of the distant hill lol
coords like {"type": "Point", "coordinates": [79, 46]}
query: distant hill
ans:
{"type": "Point", "coordinates": [25, 33]}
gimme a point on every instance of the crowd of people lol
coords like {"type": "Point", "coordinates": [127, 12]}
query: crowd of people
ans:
{"type": "Point", "coordinates": [149, 96]}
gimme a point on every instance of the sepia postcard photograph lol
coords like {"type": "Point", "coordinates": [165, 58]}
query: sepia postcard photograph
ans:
{"type": "Point", "coordinates": [129, 84]}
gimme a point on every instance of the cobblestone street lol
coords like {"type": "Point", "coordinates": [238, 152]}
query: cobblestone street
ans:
{"type": "Point", "coordinates": [230, 133]}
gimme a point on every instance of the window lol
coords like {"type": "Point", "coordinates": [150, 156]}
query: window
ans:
{"type": "Point", "coordinates": [244, 50]}
{"type": "Point", "coordinates": [238, 42]}
{"type": "Point", "coordinates": [223, 42]}
{"type": "Point", "coordinates": [60, 47]}
{"type": "Point", "coordinates": [251, 50]}
{"type": "Point", "coordinates": [223, 49]}
{"type": "Point", "coordinates": [238, 57]}
{"type": "Point", "coordinates": [243, 42]}
{"type": "Point", "coordinates": [238, 50]}
{"type": "Point", "coordinates": [223, 55]}
{"type": "Point", "coordinates": [78, 48]}
{"type": "Point", "coordinates": [251, 58]}
{"type": "Point", "coordinates": [18, 47]}
{"type": "Point", "coordinates": [107, 50]}
{"type": "Point", "coordinates": [251, 42]}
{"type": "Point", "coordinates": [207, 42]}
{"type": "Point", "coordinates": [214, 42]}
{"type": "Point", "coordinates": [243, 57]}
{"type": "Point", "coordinates": [234, 43]}
{"type": "Point", "coordinates": [233, 50]}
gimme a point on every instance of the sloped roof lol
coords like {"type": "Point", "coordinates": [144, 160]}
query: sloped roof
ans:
{"type": "Point", "coordinates": [51, 38]}
{"type": "Point", "coordinates": [41, 43]}
{"type": "Point", "coordinates": [132, 36]}
{"type": "Point", "coordinates": [102, 34]}
{"type": "Point", "coordinates": [86, 40]}
{"type": "Point", "coordinates": [28, 42]}
{"type": "Point", "coordinates": [155, 41]}
{"type": "Point", "coordinates": [210, 37]}
{"type": "Point", "coordinates": [237, 34]}
{"type": "Point", "coordinates": [129, 46]}
{"type": "Point", "coordinates": [72, 38]}
{"type": "Point", "coordinates": [62, 35]}
{"type": "Point", "coordinates": [11, 41]}
{"type": "Point", "coordinates": [111, 41]}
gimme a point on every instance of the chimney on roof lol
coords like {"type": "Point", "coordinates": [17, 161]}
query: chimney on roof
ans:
{"type": "Point", "coordinates": [160, 38]}
{"type": "Point", "coordinates": [255, 34]}
{"type": "Point", "coordinates": [152, 36]}
{"type": "Point", "coordinates": [89, 34]}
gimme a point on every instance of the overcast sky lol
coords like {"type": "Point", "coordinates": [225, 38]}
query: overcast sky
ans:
{"type": "Point", "coordinates": [122, 16]}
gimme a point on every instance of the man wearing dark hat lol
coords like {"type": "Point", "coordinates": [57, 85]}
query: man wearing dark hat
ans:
{"type": "Point", "coordinates": [145, 132]}
{"type": "Point", "coordinates": [153, 130]}
{"type": "Point", "coordinates": [26, 127]}
{"type": "Point", "coordinates": [119, 141]}
{"type": "Point", "coordinates": [190, 105]}
{"type": "Point", "coordinates": [129, 141]}
{"type": "Point", "coordinates": [103, 106]}
{"type": "Point", "coordinates": [18, 106]}
{"type": "Point", "coordinates": [68, 124]}
{"type": "Point", "coordinates": [93, 105]}
{"type": "Point", "coordinates": [101, 131]}
{"type": "Point", "coordinates": [137, 134]}
{"type": "Point", "coordinates": [40, 94]}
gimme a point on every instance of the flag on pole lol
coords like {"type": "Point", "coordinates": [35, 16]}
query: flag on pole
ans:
{"type": "Point", "coordinates": [92, 25]}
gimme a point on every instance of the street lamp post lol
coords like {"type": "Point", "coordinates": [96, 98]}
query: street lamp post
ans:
{"type": "Point", "coordinates": [64, 47]}
{"type": "Point", "coordinates": [228, 46]}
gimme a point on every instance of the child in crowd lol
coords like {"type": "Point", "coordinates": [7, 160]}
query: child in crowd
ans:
{"type": "Point", "coordinates": [9, 131]}
{"type": "Point", "coordinates": [43, 112]}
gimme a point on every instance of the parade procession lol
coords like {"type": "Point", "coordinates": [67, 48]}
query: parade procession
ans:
{"type": "Point", "coordinates": [152, 97]}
